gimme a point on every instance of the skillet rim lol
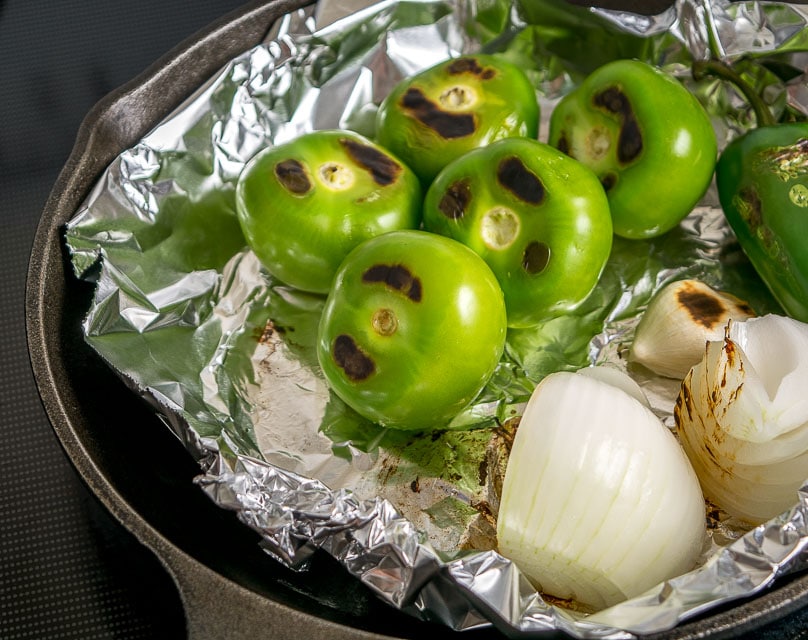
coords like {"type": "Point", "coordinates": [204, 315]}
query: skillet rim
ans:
{"type": "Point", "coordinates": [114, 124]}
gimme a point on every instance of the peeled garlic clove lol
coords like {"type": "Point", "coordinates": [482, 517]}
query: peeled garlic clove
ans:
{"type": "Point", "coordinates": [680, 319]}
{"type": "Point", "coordinates": [742, 417]}
{"type": "Point", "coordinates": [599, 502]}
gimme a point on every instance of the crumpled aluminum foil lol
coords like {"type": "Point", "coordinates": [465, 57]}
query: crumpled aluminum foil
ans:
{"type": "Point", "coordinates": [187, 316]}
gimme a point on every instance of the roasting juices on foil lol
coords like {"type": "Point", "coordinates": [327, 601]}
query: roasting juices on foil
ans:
{"type": "Point", "coordinates": [188, 316]}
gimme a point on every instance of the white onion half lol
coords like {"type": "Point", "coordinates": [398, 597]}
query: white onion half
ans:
{"type": "Point", "coordinates": [742, 416]}
{"type": "Point", "coordinates": [599, 502]}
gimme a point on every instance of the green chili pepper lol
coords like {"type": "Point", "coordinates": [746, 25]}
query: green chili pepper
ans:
{"type": "Point", "coordinates": [305, 204]}
{"type": "Point", "coordinates": [412, 329]}
{"type": "Point", "coordinates": [461, 104]}
{"type": "Point", "coordinates": [539, 219]}
{"type": "Point", "coordinates": [646, 137]}
{"type": "Point", "coordinates": [762, 181]}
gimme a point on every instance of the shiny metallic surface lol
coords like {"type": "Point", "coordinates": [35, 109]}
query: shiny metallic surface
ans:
{"type": "Point", "coordinates": [297, 497]}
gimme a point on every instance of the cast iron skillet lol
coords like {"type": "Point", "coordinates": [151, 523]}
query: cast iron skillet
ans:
{"type": "Point", "coordinates": [229, 587]}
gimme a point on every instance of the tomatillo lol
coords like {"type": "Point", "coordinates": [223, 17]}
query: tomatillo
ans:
{"type": "Point", "coordinates": [439, 114]}
{"type": "Point", "coordinates": [303, 205]}
{"type": "Point", "coordinates": [538, 218]}
{"type": "Point", "coordinates": [412, 330]}
{"type": "Point", "coordinates": [762, 180]}
{"type": "Point", "coordinates": [646, 137]}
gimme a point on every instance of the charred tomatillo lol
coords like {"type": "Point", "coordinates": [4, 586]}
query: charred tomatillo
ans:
{"type": "Point", "coordinates": [646, 137]}
{"type": "Point", "coordinates": [412, 329]}
{"type": "Point", "coordinates": [538, 218]}
{"type": "Point", "coordinates": [453, 107]}
{"type": "Point", "coordinates": [303, 205]}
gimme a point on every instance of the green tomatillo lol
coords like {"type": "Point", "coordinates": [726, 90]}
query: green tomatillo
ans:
{"type": "Point", "coordinates": [461, 104]}
{"type": "Point", "coordinates": [303, 205]}
{"type": "Point", "coordinates": [538, 218]}
{"type": "Point", "coordinates": [646, 137]}
{"type": "Point", "coordinates": [412, 330]}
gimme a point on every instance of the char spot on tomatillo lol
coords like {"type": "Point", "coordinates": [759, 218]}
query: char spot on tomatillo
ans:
{"type": "Point", "coordinates": [535, 258]}
{"type": "Point", "coordinates": [614, 101]}
{"type": "Point", "coordinates": [629, 145]}
{"type": "Point", "coordinates": [608, 181]}
{"type": "Point", "coordinates": [500, 227]}
{"type": "Point", "coordinates": [396, 277]}
{"type": "Point", "coordinates": [348, 356]}
{"type": "Point", "coordinates": [470, 65]}
{"type": "Point", "coordinates": [563, 145]}
{"type": "Point", "coordinates": [382, 168]}
{"type": "Point", "coordinates": [447, 125]}
{"type": "Point", "coordinates": [292, 176]}
{"type": "Point", "coordinates": [630, 142]}
{"type": "Point", "coordinates": [513, 175]}
{"type": "Point", "coordinates": [455, 201]}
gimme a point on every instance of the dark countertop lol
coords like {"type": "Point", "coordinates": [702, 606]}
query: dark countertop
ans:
{"type": "Point", "coordinates": [67, 568]}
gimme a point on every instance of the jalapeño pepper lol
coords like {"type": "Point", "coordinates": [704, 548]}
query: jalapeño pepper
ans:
{"type": "Point", "coordinates": [762, 180]}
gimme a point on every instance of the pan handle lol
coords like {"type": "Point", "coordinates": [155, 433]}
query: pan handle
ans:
{"type": "Point", "coordinates": [216, 608]}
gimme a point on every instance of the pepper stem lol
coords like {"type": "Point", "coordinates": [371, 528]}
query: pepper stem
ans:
{"type": "Point", "coordinates": [702, 68]}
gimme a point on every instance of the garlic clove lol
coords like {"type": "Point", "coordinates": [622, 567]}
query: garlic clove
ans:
{"type": "Point", "coordinates": [680, 319]}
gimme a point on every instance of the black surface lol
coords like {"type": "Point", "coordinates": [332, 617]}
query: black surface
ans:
{"type": "Point", "coordinates": [67, 569]}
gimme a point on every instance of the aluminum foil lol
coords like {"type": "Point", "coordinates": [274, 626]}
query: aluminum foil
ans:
{"type": "Point", "coordinates": [186, 315]}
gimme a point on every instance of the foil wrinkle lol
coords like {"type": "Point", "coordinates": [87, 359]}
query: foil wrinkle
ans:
{"type": "Point", "coordinates": [225, 354]}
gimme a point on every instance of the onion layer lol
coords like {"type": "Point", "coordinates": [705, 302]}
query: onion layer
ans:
{"type": "Point", "coordinates": [742, 416]}
{"type": "Point", "coordinates": [599, 502]}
